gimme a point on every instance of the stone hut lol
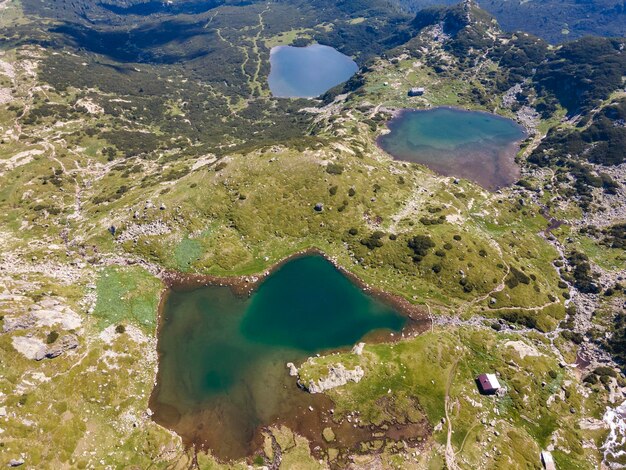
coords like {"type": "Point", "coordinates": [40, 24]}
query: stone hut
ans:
{"type": "Point", "coordinates": [487, 384]}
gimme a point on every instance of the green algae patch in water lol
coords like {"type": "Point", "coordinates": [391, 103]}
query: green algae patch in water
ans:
{"type": "Point", "coordinates": [222, 369]}
{"type": "Point", "coordinates": [474, 145]}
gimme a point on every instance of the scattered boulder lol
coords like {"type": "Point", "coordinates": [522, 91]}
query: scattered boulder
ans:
{"type": "Point", "coordinates": [328, 434]}
{"type": "Point", "coordinates": [16, 462]}
{"type": "Point", "coordinates": [319, 207]}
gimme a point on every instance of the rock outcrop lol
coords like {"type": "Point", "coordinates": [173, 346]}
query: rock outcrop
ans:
{"type": "Point", "coordinates": [48, 312]}
{"type": "Point", "coordinates": [65, 343]}
{"type": "Point", "coordinates": [358, 349]}
{"type": "Point", "coordinates": [337, 376]}
{"type": "Point", "coordinates": [22, 322]}
{"type": "Point", "coordinates": [293, 370]}
{"type": "Point", "coordinates": [33, 348]}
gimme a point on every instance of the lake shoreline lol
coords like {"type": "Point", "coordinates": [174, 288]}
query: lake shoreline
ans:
{"type": "Point", "coordinates": [246, 285]}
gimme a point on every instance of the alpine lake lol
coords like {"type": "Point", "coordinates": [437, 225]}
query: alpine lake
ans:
{"type": "Point", "coordinates": [222, 355]}
{"type": "Point", "coordinates": [307, 72]}
{"type": "Point", "coordinates": [478, 146]}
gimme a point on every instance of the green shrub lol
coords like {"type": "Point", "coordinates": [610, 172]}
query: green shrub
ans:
{"type": "Point", "coordinates": [516, 277]}
{"type": "Point", "coordinates": [572, 336]}
{"type": "Point", "coordinates": [420, 244]}
{"type": "Point", "coordinates": [520, 317]}
{"type": "Point", "coordinates": [374, 240]}
{"type": "Point", "coordinates": [334, 168]}
{"type": "Point", "coordinates": [52, 337]}
{"type": "Point", "coordinates": [591, 379]}
{"type": "Point", "coordinates": [603, 370]}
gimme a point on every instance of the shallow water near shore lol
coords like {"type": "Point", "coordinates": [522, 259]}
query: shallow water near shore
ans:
{"type": "Point", "coordinates": [222, 372]}
{"type": "Point", "coordinates": [474, 145]}
{"type": "Point", "coordinates": [307, 72]}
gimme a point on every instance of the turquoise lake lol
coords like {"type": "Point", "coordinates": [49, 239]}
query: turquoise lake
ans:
{"type": "Point", "coordinates": [467, 144]}
{"type": "Point", "coordinates": [222, 368]}
{"type": "Point", "coordinates": [307, 72]}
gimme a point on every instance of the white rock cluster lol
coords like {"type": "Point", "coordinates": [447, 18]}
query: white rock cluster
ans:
{"type": "Point", "coordinates": [293, 370]}
{"type": "Point", "coordinates": [358, 349]}
{"type": "Point", "coordinates": [134, 231]}
{"type": "Point", "coordinates": [337, 376]}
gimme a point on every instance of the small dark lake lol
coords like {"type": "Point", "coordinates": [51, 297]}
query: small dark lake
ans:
{"type": "Point", "coordinates": [307, 72]}
{"type": "Point", "coordinates": [467, 144]}
{"type": "Point", "coordinates": [222, 371]}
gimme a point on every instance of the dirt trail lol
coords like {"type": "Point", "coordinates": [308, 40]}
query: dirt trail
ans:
{"type": "Point", "coordinates": [255, 48]}
{"type": "Point", "coordinates": [450, 454]}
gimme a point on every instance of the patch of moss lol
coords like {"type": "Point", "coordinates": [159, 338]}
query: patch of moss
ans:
{"type": "Point", "coordinates": [127, 295]}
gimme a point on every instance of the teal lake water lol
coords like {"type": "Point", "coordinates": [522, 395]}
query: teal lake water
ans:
{"type": "Point", "coordinates": [467, 144]}
{"type": "Point", "coordinates": [307, 72]}
{"type": "Point", "coordinates": [222, 368]}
